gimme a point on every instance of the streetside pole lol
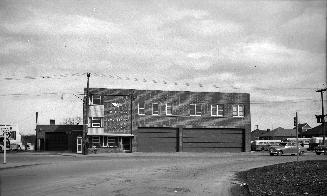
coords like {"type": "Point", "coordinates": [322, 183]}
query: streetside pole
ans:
{"type": "Point", "coordinates": [131, 138]}
{"type": "Point", "coordinates": [297, 138]}
{"type": "Point", "coordinates": [323, 118]}
{"type": "Point", "coordinates": [322, 115]}
{"type": "Point", "coordinates": [86, 120]}
{"type": "Point", "coordinates": [5, 145]}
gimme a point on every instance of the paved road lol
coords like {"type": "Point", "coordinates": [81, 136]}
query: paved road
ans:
{"type": "Point", "coordinates": [129, 174]}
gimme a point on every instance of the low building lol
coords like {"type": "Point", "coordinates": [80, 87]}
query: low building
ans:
{"type": "Point", "coordinates": [58, 137]}
{"type": "Point", "coordinates": [302, 128]}
{"type": "Point", "coordinates": [168, 121]}
{"type": "Point", "coordinates": [256, 134]}
{"type": "Point", "coordinates": [315, 132]}
{"type": "Point", "coordinates": [279, 134]}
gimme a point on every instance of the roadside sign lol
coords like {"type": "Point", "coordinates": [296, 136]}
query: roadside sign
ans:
{"type": "Point", "coordinates": [5, 130]}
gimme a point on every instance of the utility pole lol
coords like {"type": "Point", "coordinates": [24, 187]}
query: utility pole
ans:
{"type": "Point", "coordinates": [5, 145]}
{"type": "Point", "coordinates": [86, 120]}
{"type": "Point", "coordinates": [297, 135]}
{"type": "Point", "coordinates": [321, 118]}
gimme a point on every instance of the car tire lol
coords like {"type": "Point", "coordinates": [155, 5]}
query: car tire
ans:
{"type": "Point", "coordinates": [271, 154]}
{"type": "Point", "coordinates": [279, 153]}
{"type": "Point", "coordinates": [318, 153]}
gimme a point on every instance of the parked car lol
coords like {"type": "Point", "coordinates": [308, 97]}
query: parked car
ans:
{"type": "Point", "coordinates": [286, 148]}
{"type": "Point", "coordinates": [29, 147]}
{"type": "Point", "coordinates": [15, 147]}
{"type": "Point", "coordinates": [321, 149]}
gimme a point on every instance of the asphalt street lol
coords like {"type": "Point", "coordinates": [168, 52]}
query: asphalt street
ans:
{"type": "Point", "coordinates": [130, 174]}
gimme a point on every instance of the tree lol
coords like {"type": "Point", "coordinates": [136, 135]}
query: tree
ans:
{"type": "Point", "coordinates": [72, 121]}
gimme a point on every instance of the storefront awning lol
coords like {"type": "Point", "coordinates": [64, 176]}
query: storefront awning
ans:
{"type": "Point", "coordinates": [112, 134]}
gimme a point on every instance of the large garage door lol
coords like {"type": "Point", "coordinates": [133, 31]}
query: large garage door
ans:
{"type": "Point", "coordinates": [157, 140]}
{"type": "Point", "coordinates": [56, 141]}
{"type": "Point", "coordinates": [213, 140]}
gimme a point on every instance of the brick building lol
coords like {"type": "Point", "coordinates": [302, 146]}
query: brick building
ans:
{"type": "Point", "coordinates": [168, 121]}
{"type": "Point", "coordinates": [57, 137]}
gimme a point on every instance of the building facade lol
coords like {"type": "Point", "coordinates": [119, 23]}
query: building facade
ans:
{"type": "Point", "coordinates": [167, 121]}
{"type": "Point", "coordinates": [57, 137]}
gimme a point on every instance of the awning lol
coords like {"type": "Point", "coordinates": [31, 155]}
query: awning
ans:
{"type": "Point", "coordinates": [112, 134]}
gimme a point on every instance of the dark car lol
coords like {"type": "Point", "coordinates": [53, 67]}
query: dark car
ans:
{"type": "Point", "coordinates": [321, 149]}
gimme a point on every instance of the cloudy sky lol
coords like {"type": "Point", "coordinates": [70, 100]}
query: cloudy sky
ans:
{"type": "Point", "coordinates": [274, 50]}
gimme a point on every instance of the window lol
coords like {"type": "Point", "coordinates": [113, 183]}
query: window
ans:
{"type": "Point", "coordinates": [112, 142]}
{"type": "Point", "coordinates": [195, 109]}
{"type": "Point", "coordinates": [95, 140]}
{"type": "Point", "coordinates": [238, 111]}
{"type": "Point", "coordinates": [141, 107]}
{"type": "Point", "coordinates": [96, 122]}
{"type": "Point", "coordinates": [155, 109]}
{"type": "Point", "coordinates": [95, 100]}
{"type": "Point", "coordinates": [169, 109]}
{"type": "Point", "coordinates": [217, 110]}
{"type": "Point", "coordinates": [13, 135]}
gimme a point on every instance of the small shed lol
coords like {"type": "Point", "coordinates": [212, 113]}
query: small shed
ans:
{"type": "Point", "coordinates": [58, 137]}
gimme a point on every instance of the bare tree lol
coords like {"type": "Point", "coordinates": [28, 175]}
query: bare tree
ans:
{"type": "Point", "coordinates": [72, 120]}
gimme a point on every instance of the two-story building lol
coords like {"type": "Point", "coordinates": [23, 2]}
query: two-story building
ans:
{"type": "Point", "coordinates": [168, 121]}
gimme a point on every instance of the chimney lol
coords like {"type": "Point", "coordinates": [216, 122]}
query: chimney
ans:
{"type": "Point", "coordinates": [52, 122]}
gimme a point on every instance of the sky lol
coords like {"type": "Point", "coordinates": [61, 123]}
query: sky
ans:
{"type": "Point", "coordinates": [275, 50]}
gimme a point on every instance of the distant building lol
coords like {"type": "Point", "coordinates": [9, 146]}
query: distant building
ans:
{"type": "Point", "coordinates": [168, 121]}
{"type": "Point", "coordinates": [256, 134]}
{"type": "Point", "coordinates": [315, 132]}
{"type": "Point", "coordinates": [302, 128]}
{"type": "Point", "coordinates": [279, 134]}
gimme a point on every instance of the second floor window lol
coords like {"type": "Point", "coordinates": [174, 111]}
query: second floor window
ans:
{"type": "Point", "coordinates": [238, 110]}
{"type": "Point", "coordinates": [95, 122]}
{"type": "Point", "coordinates": [155, 109]}
{"type": "Point", "coordinates": [95, 100]}
{"type": "Point", "coordinates": [195, 110]}
{"type": "Point", "coordinates": [169, 109]}
{"type": "Point", "coordinates": [217, 110]}
{"type": "Point", "coordinates": [140, 108]}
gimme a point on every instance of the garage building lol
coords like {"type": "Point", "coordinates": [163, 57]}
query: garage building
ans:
{"type": "Point", "coordinates": [58, 137]}
{"type": "Point", "coordinates": [168, 121]}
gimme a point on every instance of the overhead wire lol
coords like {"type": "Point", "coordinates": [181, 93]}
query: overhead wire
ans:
{"type": "Point", "coordinates": [145, 80]}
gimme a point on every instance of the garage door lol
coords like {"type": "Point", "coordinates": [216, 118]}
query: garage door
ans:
{"type": "Point", "coordinates": [213, 140]}
{"type": "Point", "coordinates": [56, 141]}
{"type": "Point", "coordinates": [157, 140]}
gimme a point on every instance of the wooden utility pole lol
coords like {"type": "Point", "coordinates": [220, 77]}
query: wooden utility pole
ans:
{"type": "Point", "coordinates": [297, 137]}
{"type": "Point", "coordinates": [322, 117]}
{"type": "Point", "coordinates": [86, 120]}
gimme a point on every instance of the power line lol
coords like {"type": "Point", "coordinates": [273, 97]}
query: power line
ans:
{"type": "Point", "coordinates": [145, 80]}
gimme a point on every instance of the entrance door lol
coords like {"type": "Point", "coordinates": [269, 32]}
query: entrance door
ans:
{"type": "Point", "coordinates": [126, 141]}
{"type": "Point", "coordinates": [79, 145]}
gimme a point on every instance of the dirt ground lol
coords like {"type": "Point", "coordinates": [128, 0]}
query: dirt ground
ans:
{"type": "Point", "coordinates": [130, 174]}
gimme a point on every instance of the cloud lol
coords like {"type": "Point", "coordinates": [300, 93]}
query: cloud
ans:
{"type": "Point", "coordinates": [55, 24]}
{"type": "Point", "coordinates": [211, 27]}
{"type": "Point", "coordinates": [267, 53]}
{"type": "Point", "coordinates": [178, 14]}
{"type": "Point", "coordinates": [9, 46]}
